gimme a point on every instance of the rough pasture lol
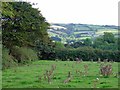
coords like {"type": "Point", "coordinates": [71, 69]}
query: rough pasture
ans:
{"type": "Point", "coordinates": [60, 74]}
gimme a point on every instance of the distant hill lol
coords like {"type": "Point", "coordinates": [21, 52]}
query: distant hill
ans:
{"type": "Point", "coordinates": [67, 33]}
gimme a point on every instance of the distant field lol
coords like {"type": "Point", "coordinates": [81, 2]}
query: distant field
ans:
{"type": "Point", "coordinates": [101, 32]}
{"type": "Point", "coordinates": [28, 76]}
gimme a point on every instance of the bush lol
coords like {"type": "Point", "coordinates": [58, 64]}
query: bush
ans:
{"type": "Point", "coordinates": [17, 55]}
{"type": "Point", "coordinates": [7, 60]}
{"type": "Point", "coordinates": [23, 54]}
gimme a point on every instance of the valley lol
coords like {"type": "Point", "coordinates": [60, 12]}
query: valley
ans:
{"type": "Point", "coordinates": [67, 33]}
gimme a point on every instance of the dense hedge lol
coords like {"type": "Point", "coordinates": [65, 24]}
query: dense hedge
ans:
{"type": "Point", "coordinates": [87, 53]}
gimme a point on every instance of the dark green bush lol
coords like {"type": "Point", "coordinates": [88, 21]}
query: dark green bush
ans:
{"type": "Point", "coordinates": [23, 54]}
{"type": "Point", "coordinates": [7, 60]}
{"type": "Point", "coordinates": [16, 56]}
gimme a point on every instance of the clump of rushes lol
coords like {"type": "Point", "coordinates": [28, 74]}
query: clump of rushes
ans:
{"type": "Point", "coordinates": [68, 78]}
{"type": "Point", "coordinates": [45, 77]}
{"type": "Point", "coordinates": [69, 74]}
{"type": "Point", "coordinates": [105, 60]}
{"type": "Point", "coordinates": [91, 60]}
{"type": "Point", "coordinates": [106, 70]}
{"type": "Point", "coordinates": [40, 78]}
{"type": "Point", "coordinates": [81, 60]}
{"type": "Point", "coordinates": [53, 67]}
{"type": "Point", "coordinates": [99, 60]}
{"type": "Point", "coordinates": [49, 73]}
{"type": "Point", "coordinates": [117, 75]}
{"type": "Point", "coordinates": [56, 60]}
{"type": "Point", "coordinates": [68, 59]}
{"type": "Point", "coordinates": [111, 61]}
{"type": "Point", "coordinates": [95, 82]}
{"type": "Point", "coordinates": [77, 60]}
{"type": "Point", "coordinates": [79, 72]}
{"type": "Point", "coordinates": [86, 70]}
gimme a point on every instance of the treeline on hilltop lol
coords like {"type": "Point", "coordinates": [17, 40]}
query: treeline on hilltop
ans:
{"type": "Point", "coordinates": [25, 39]}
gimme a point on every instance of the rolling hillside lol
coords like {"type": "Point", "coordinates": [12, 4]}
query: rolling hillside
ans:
{"type": "Point", "coordinates": [67, 33]}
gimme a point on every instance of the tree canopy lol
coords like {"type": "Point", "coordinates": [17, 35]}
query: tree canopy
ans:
{"type": "Point", "coordinates": [23, 25]}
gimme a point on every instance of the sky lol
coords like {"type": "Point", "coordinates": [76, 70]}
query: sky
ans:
{"type": "Point", "coordinates": [98, 12]}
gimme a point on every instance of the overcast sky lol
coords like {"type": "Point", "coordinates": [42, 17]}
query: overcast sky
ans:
{"type": "Point", "coordinates": [101, 12]}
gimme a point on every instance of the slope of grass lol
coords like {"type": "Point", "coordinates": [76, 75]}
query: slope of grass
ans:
{"type": "Point", "coordinates": [28, 76]}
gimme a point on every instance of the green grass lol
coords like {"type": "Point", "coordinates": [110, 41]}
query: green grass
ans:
{"type": "Point", "coordinates": [27, 76]}
{"type": "Point", "coordinates": [0, 79]}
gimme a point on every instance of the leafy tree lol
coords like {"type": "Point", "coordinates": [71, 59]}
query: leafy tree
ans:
{"type": "Point", "coordinates": [22, 25]}
{"type": "Point", "coordinates": [59, 45]}
{"type": "Point", "coordinates": [108, 37]}
{"type": "Point", "coordinates": [106, 42]}
{"type": "Point", "coordinates": [77, 44]}
{"type": "Point", "coordinates": [87, 42]}
{"type": "Point", "coordinates": [45, 51]}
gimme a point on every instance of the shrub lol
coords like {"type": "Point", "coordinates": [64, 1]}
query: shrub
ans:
{"type": "Point", "coordinates": [23, 54]}
{"type": "Point", "coordinates": [106, 70]}
{"type": "Point", "coordinates": [7, 60]}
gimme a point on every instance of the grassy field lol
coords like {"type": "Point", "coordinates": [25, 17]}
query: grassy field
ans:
{"type": "Point", "coordinates": [32, 75]}
{"type": "Point", "coordinates": [101, 32]}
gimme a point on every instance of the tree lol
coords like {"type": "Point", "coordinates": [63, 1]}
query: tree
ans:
{"type": "Point", "coordinates": [108, 37]}
{"type": "Point", "coordinates": [23, 25]}
{"type": "Point", "coordinates": [87, 42]}
{"type": "Point", "coordinates": [106, 42]}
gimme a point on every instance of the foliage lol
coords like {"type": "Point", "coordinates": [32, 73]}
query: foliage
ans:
{"type": "Point", "coordinates": [23, 54]}
{"type": "Point", "coordinates": [87, 53]}
{"type": "Point", "coordinates": [18, 55]}
{"type": "Point", "coordinates": [22, 25]}
{"type": "Point", "coordinates": [87, 42]}
{"type": "Point", "coordinates": [59, 45]}
{"type": "Point", "coordinates": [8, 60]}
{"type": "Point", "coordinates": [106, 42]}
{"type": "Point", "coordinates": [109, 37]}
{"type": "Point", "coordinates": [45, 51]}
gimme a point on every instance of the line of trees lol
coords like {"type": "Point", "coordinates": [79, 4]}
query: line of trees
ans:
{"type": "Point", "coordinates": [87, 54]}
{"type": "Point", "coordinates": [104, 47]}
{"type": "Point", "coordinates": [106, 42]}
